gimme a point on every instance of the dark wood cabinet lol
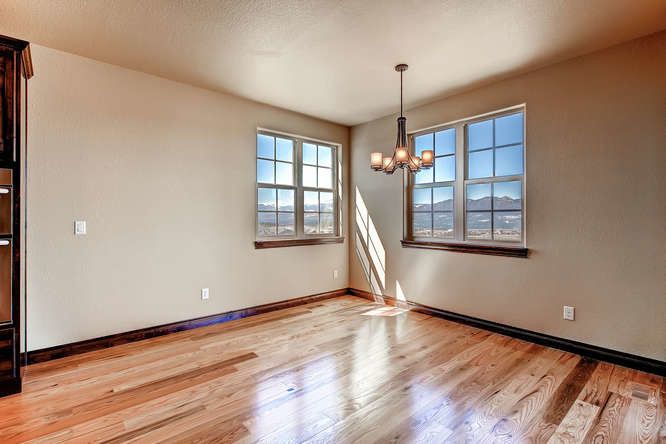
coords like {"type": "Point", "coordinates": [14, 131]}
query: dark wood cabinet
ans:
{"type": "Point", "coordinates": [15, 70]}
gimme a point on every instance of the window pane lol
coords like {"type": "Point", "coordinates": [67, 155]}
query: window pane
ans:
{"type": "Point", "coordinates": [286, 200]}
{"type": "Point", "coordinates": [422, 199]}
{"type": "Point", "coordinates": [507, 196]}
{"type": "Point", "coordinates": [325, 156]}
{"type": "Point", "coordinates": [286, 224]}
{"type": "Point", "coordinates": [480, 135]}
{"type": "Point", "coordinates": [310, 223]}
{"type": "Point", "coordinates": [326, 202]}
{"type": "Point", "coordinates": [423, 142]}
{"type": "Point", "coordinates": [284, 149]}
{"type": "Point", "coordinates": [265, 146]}
{"type": "Point", "coordinates": [445, 169]}
{"type": "Point", "coordinates": [478, 225]}
{"type": "Point", "coordinates": [480, 164]}
{"type": "Point", "coordinates": [266, 224]}
{"type": "Point", "coordinates": [424, 176]}
{"type": "Point", "coordinates": [422, 224]}
{"type": "Point", "coordinates": [326, 223]}
{"type": "Point", "coordinates": [509, 160]}
{"type": "Point", "coordinates": [310, 201]}
{"type": "Point", "coordinates": [442, 198]}
{"type": "Point", "coordinates": [325, 178]}
{"type": "Point", "coordinates": [509, 129]}
{"type": "Point", "coordinates": [507, 226]}
{"type": "Point", "coordinates": [284, 173]}
{"type": "Point", "coordinates": [265, 173]}
{"type": "Point", "coordinates": [266, 199]}
{"type": "Point", "coordinates": [445, 142]}
{"type": "Point", "coordinates": [478, 196]}
{"type": "Point", "coordinates": [443, 225]}
{"type": "Point", "coordinates": [309, 176]}
{"type": "Point", "coordinates": [310, 153]}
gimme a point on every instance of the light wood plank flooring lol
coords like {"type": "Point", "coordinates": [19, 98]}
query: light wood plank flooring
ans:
{"type": "Point", "coordinates": [343, 370]}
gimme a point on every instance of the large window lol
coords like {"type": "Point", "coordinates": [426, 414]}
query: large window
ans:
{"type": "Point", "coordinates": [474, 193]}
{"type": "Point", "coordinates": [295, 187]}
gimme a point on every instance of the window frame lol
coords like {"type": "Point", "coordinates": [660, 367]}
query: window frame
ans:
{"type": "Point", "coordinates": [460, 242]}
{"type": "Point", "coordinates": [299, 237]}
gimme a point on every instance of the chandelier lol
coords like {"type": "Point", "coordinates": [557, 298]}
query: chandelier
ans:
{"type": "Point", "coordinates": [401, 158]}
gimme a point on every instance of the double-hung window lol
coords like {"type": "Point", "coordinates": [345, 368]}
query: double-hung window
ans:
{"type": "Point", "coordinates": [474, 193]}
{"type": "Point", "coordinates": [296, 188]}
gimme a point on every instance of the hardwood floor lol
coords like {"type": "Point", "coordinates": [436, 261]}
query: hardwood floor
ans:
{"type": "Point", "coordinates": [341, 370]}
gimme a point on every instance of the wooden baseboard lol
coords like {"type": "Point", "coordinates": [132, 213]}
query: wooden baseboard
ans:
{"type": "Point", "coordinates": [591, 351]}
{"type": "Point", "coordinates": [74, 348]}
{"type": "Point", "coordinates": [10, 386]}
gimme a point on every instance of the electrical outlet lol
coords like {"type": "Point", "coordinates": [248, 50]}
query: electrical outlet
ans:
{"type": "Point", "coordinates": [568, 313]}
{"type": "Point", "coordinates": [80, 227]}
{"type": "Point", "coordinates": [205, 294]}
{"type": "Point", "coordinates": [335, 274]}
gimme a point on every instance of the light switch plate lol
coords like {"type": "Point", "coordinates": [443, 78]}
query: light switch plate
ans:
{"type": "Point", "coordinates": [205, 294]}
{"type": "Point", "coordinates": [80, 227]}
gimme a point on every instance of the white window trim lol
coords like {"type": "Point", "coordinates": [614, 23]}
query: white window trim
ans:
{"type": "Point", "coordinates": [461, 182]}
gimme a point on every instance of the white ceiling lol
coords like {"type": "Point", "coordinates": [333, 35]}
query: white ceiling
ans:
{"type": "Point", "coordinates": [332, 59]}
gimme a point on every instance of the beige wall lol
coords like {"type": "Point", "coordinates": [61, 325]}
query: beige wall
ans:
{"type": "Point", "coordinates": [164, 174]}
{"type": "Point", "coordinates": [596, 204]}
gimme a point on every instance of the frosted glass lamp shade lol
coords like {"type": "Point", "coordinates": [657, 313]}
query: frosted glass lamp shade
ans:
{"type": "Point", "coordinates": [376, 161]}
{"type": "Point", "coordinates": [427, 157]}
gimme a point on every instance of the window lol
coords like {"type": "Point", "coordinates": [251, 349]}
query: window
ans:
{"type": "Point", "coordinates": [474, 192]}
{"type": "Point", "coordinates": [295, 188]}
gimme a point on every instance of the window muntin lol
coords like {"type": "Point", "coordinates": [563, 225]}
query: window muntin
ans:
{"type": "Point", "coordinates": [433, 212]}
{"type": "Point", "coordinates": [444, 144]}
{"type": "Point", "coordinates": [319, 213]}
{"type": "Point", "coordinates": [317, 166]}
{"type": "Point", "coordinates": [275, 160]}
{"type": "Point", "coordinates": [295, 179]}
{"type": "Point", "coordinates": [275, 212]}
{"type": "Point", "coordinates": [495, 147]}
{"type": "Point", "coordinates": [433, 189]}
{"type": "Point", "coordinates": [484, 202]}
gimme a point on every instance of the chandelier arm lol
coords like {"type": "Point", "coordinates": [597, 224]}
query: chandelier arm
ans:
{"type": "Point", "coordinates": [413, 162]}
{"type": "Point", "coordinates": [392, 166]}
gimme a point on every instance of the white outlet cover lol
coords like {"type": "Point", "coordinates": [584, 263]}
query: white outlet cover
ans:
{"type": "Point", "coordinates": [568, 313]}
{"type": "Point", "coordinates": [335, 274]}
{"type": "Point", "coordinates": [205, 294]}
{"type": "Point", "coordinates": [80, 227]}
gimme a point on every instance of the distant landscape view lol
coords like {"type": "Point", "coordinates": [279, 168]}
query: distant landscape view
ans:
{"type": "Point", "coordinates": [276, 212]}
{"type": "Point", "coordinates": [498, 218]}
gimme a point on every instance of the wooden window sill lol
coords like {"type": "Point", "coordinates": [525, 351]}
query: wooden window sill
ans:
{"type": "Point", "coordinates": [279, 243]}
{"type": "Point", "coordinates": [494, 250]}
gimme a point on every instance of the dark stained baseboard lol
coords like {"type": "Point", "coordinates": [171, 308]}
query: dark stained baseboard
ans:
{"type": "Point", "coordinates": [591, 351]}
{"type": "Point", "coordinates": [10, 386]}
{"type": "Point", "coordinates": [587, 350]}
{"type": "Point", "coordinates": [74, 348]}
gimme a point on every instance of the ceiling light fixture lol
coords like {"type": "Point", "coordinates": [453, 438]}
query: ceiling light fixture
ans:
{"type": "Point", "coordinates": [401, 158]}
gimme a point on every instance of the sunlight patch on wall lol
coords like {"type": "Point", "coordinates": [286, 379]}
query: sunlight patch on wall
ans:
{"type": "Point", "coordinates": [369, 247]}
{"type": "Point", "coordinates": [399, 294]}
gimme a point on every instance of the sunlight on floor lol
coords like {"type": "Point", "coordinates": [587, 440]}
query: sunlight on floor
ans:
{"type": "Point", "coordinates": [385, 311]}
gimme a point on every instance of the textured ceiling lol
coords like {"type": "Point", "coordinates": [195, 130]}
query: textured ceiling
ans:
{"type": "Point", "coordinates": [326, 58]}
